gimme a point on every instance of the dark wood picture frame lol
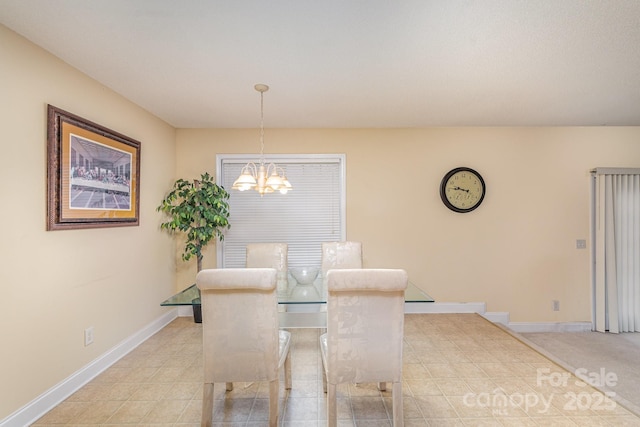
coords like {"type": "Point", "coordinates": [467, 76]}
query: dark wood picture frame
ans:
{"type": "Point", "coordinates": [93, 174]}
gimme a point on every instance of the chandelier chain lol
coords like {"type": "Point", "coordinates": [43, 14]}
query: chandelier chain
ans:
{"type": "Point", "coordinates": [262, 127]}
{"type": "Point", "coordinates": [264, 178]}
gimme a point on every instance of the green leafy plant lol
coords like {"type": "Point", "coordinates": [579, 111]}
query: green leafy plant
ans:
{"type": "Point", "coordinates": [198, 208]}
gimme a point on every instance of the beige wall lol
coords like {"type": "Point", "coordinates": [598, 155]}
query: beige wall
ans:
{"type": "Point", "coordinates": [516, 252]}
{"type": "Point", "coordinates": [54, 284]}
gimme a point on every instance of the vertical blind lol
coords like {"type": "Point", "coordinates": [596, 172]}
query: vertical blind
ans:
{"type": "Point", "coordinates": [617, 249]}
{"type": "Point", "coordinates": [312, 213]}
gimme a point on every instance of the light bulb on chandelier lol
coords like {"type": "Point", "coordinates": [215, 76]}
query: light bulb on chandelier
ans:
{"type": "Point", "coordinates": [264, 178]}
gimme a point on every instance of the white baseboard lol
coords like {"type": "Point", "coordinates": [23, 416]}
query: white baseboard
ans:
{"type": "Point", "coordinates": [497, 317]}
{"type": "Point", "coordinates": [501, 317]}
{"type": "Point", "coordinates": [550, 326]}
{"type": "Point", "coordinates": [185, 310]}
{"type": "Point", "coordinates": [58, 393]}
{"type": "Point", "coordinates": [444, 307]}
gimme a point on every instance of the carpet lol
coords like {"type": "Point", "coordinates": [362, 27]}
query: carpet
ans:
{"type": "Point", "coordinates": [611, 361]}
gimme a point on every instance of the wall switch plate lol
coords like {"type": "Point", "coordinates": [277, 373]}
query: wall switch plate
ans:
{"type": "Point", "coordinates": [556, 305]}
{"type": "Point", "coordinates": [88, 336]}
{"type": "Point", "coordinates": [581, 244]}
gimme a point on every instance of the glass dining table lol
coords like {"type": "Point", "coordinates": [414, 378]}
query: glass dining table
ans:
{"type": "Point", "coordinates": [301, 305]}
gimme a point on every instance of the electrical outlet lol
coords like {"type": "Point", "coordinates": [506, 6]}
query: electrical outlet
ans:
{"type": "Point", "coordinates": [88, 336]}
{"type": "Point", "coordinates": [556, 305]}
{"type": "Point", "coordinates": [581, 244]}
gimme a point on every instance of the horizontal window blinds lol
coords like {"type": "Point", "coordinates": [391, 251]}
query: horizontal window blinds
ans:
{"type": "Point", "coordinates": [305, 217]}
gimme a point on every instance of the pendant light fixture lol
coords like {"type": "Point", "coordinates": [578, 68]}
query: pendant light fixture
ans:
{"type": "Point", "coordinates": [264, 178]}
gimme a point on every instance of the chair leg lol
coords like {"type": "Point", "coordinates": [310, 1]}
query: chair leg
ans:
{"type": "Point", "coordinates": [287, 372]}
{"type": "Point", "coordinates": [229, 386]}
{"type": "Point", "coordinates": [273, 403]}
{"type": "Point", "coordinates": [324, 377]}
{"type": "Point", "coordinates": [207, 405]}
{"type": "Point", "coordinates": [332, 406]}
{"type": "Point", "coordinates": [398, 413]}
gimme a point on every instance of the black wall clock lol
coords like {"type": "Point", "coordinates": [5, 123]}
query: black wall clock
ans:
{"type": "Point", "coordinates": [462, 189]}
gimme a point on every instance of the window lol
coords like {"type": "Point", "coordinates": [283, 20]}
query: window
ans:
{"type": "Point", "coordinates": [312, 213]}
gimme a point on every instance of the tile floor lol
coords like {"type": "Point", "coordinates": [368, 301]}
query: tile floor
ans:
{"type": "Point", "coordinates": [459, 370]}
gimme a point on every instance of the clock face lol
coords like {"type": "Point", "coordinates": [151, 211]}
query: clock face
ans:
{"type": "Point", "coordinates": [462, 189]}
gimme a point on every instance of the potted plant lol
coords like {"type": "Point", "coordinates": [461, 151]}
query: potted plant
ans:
{"type": "Point", "coordinates": [199, 209]}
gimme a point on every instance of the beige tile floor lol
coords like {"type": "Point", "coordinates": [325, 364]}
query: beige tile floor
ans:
{"type": "Point", "coordinates": [459, 370]}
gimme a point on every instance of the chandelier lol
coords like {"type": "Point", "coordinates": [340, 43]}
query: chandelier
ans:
{"type": "Point", "coordinates": [264, 178]}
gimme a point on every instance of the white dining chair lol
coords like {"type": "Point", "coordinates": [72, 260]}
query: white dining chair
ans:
{"type": "Point", "coordinates": [269, 255]}
{"type": "Point", "coordinates": [365, 330]}
{"type": "Point", "coordinates": [341, 255]}
{"type": "Point", "coordinates": [241, 338]}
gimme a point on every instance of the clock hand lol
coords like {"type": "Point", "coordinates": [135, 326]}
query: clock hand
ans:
{"type": "Point", "coordinates": [461, 189]}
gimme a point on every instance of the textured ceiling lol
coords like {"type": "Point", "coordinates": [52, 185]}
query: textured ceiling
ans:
{"type": "Point", "coordinates": [350, 64]}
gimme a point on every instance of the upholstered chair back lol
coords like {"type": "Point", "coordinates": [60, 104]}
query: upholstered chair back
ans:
{"type": "Point", "coordinates": [267, 255]}
{"type": "Point", "coordinates": [241, 338]}
{"type": "Point", "coordinates": [365, 324]}
{"type": "Point", "coordinates": [341, 255]}
{"type": "Point", "coordinates": [365, 330]}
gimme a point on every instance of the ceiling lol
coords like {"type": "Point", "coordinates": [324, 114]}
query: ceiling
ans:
{"type": "Point", "coordinates": [352, 63]}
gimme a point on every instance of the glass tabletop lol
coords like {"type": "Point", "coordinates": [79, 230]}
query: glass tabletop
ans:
{"type": "Point", "coordinates": [292, 292]}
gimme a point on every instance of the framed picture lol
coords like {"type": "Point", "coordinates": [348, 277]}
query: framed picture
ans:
{"type": "Point", "coordinates": [93, 174]}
